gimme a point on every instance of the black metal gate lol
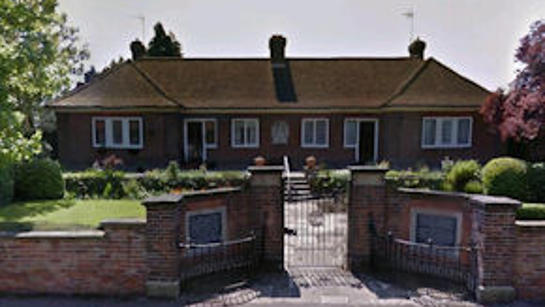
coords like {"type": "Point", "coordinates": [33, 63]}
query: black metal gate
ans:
{"type": "Point", "coordinates": [454, 263]}
{"type": "Point", "coordinates": [203, 259]}
{"type": "Point", "coordinates": [315, 225]}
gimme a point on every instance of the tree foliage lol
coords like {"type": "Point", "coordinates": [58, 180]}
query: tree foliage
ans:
{"type": "Point", "coordinates": [38, 54]}
{"type": "Point", "coordinates": [519, 112]}
{"type": "Point", "coordinates": [162, 44]}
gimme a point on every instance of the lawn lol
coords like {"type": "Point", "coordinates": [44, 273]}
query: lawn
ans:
{"type": "Point", "coordinates": [66, 213]}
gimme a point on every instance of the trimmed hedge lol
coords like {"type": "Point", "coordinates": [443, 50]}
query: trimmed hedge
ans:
{"type": "Point", "coordinates": [38, 179]}
{"type": "Point", "coordinates": [506, 177]}
{"type": "Point", "coordinates": [422, 179]}
{"type": "Point", "coordinates": [531, 212]}
{"type": "Point", "coordinates": [6, 184]}
{"type": "Point", "coordinates": [104, 184]}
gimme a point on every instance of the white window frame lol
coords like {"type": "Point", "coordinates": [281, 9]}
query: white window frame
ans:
{"type": "Point", "coordinates": [108, 132]}
{"type": "Point", "coordinates": [314, 145]}
{"type": "Point", "coordinates": [454, 133]}
{"type": "Point", "coordinates": [245, 137]}
{"type": "Point", "coordinates": [446, 213]}
{"type": "Point", "coordinates": [203, 126]}
{"type": "Point", "coordinates": [356, 146]}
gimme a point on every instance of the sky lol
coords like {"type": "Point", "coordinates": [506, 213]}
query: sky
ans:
{"type": "Point", "coordinates": [476, 38]}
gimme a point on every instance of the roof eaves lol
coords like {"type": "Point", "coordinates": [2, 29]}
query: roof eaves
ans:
{"type": "Point", "coordinates": [98, 77]}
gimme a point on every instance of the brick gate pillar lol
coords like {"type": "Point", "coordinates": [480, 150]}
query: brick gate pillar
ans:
{"type": "Point", "coordinates": [494, 232]}
{"type": "Point", "coordinates": [163, 220]}
{"type": "Point", "coordinates": [267, 194]}
{"type": "Point", "coordinates": [366, 204]}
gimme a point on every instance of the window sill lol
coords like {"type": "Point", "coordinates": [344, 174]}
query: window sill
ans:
{"type": "Point", "coordinates": [119, 147]}
{"type": "Point", "coordinates": [446, 147]}
{"type": "Point", "coordinates": [315, 146]}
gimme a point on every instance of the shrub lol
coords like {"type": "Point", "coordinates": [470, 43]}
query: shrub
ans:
{"type": "Point", "coordinates": [460, 174]}
{"type": "Point", "coordinates": [536, 182]}
{"type": "Point", "coordinates": [531, 212]}
{"type": "Point", "coordinates": [330, 182]}
{"type": "Point", "coordinates": [6, 184]}
{"type": "Point", "coordinates": [506, 177]}
{"type": "Point", "coordinates": [39, 179]}
{"type": "Point", "coordinates": [473, 187]}
{"type": "Point", "coordinates": [422, 179]}
{"type": "Point", "coordinates": [132, 189]}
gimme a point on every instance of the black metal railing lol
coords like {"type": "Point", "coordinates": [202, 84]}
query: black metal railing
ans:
{"type": "Point", "coordinates": [203, 259]}
{"type": "Point", "coordinates": [454, 263]}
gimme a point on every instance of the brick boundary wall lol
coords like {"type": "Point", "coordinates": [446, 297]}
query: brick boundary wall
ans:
{"type": "Point", "coordinates": [511, 254]}
{"type": "Point", "coordinates": [110, 261]}
{"type": "Point", "coordinates": [529, 267]}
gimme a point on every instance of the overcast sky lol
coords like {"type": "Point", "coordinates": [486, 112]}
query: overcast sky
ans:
{"type": "Point", "coordinates": [477, 38]}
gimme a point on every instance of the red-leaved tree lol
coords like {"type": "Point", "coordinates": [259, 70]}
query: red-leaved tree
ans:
{"type": "Point", "coordinates": [519, 112]}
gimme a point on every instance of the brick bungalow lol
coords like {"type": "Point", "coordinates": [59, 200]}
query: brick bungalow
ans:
{"type": "Point", "coordinates": [409, 111]}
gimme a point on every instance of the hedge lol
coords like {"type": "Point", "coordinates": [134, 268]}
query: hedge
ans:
{"type": "Point", "coordinates": [6, 184]}
{"type": "Point", "coordinates": [110, 184]}
{"type": "Point", "coordinates": [531, 212]}
{"type": "Point", "coordinates": [38, 179]}
{"type": "Point", "coordinates": [422, 179]}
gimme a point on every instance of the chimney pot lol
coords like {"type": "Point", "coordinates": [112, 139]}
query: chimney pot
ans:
{"type": "Point", "coordinates": [416, 49]}
{"type": "Point", "coordinates": [277, 46]}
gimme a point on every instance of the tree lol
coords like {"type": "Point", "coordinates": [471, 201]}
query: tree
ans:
{"type": "Point", "coordinates": [39, 53]}
{"type": "Point", "coordinates": [162, 44]}
{"type": "Point", "coordinates": [519, 113]}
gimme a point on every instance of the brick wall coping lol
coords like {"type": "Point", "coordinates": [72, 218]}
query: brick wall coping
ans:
{"type": "Point", "coordinates": [177, 198]}
{"type": "Point", "coordinates": [433, 193]}
{"type": "Point", "coordinates": [266, 169]}
{"type": "Point", "coordinates": [211, 192]}
{"type": "Point", "coordinates": [520, 223]}
{"type": "Point", "coordinates": [78, 234]}
{"type": "Point", "coordinates": [367, 168]}
{"type": "Point", "coordinates": [163, 199]}
{"type": "Point", "coordinates": [474, 198]}
{"type": "Point", "coordinates": [122, 222]}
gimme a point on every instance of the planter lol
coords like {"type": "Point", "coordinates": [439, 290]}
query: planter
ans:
{"type": "Point", "coordinates": [259, 161]}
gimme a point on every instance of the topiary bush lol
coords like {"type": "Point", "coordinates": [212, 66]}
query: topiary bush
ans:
{"type": "Point", "coordinates": [536, 182]}
{"type": "Point", "coordinates": [6, 184]}
{"type": "Point", "coordinates": [506, 177]}
{"type": "Point", "coordinates": [39, 179]}
{"type": "Point", "coordinates": [460, 174]}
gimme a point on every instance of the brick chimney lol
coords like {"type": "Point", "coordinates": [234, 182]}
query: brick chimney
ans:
{"type": "Point", "coordinates": [277, 46]}
{"type": "Point", "coordinates": [416, 49]}
{"type": "Point", "coordinates": [283, 82]}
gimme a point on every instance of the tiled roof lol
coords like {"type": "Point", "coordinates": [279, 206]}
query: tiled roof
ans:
{"type": "Point", "coordinates": [337, 83]}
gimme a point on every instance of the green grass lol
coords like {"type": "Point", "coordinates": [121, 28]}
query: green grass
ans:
{"type": "Point", "coordinates": [66, 213]}
{"type": "Point", "coordinates": [531, 212]}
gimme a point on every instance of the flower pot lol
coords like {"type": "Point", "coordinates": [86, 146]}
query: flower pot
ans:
{"type": "Point", "coordinates": [259, 161]}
